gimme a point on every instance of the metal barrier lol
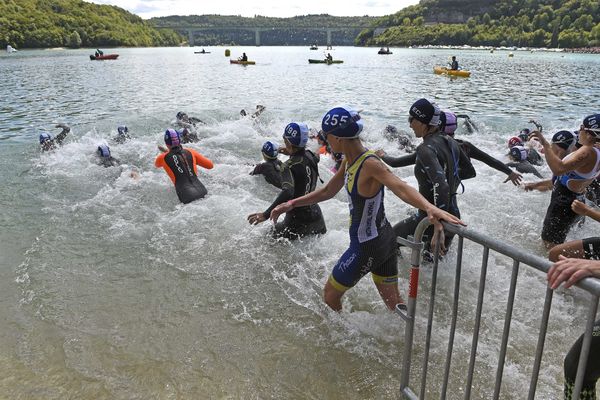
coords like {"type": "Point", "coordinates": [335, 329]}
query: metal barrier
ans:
{"type": "Point", "coordinates": [519, 256]}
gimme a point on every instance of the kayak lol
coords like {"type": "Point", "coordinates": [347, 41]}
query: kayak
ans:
{"type": "Point", "coordinates": [242, 62]}
{"type": "Point", "coordinates": [384, 52]}
{"type": "Point", "coordinates": [314, 48]}
{"type": "Point", "coordinates": [104, 57]}
{"type": "Point", "coordinates": [312, 61]}
{"type": "Point", "coordinates": [445, 71]}
{"type": "Point", "coordinates": [202, 52]}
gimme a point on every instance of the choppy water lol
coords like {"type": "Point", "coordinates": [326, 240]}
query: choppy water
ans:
{"type": "Point", "coordinates": [112, 289]}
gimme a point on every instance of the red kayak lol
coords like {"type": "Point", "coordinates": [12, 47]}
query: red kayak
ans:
{"type": "Point", "coordinates": [104, 57]}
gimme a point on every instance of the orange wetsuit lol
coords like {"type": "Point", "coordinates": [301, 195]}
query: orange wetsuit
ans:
{"type": "Point", "coordinates": [180, 164]}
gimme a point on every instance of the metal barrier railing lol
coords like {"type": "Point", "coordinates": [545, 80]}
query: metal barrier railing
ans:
{"type": "Point", "coordinates": [591, 285]}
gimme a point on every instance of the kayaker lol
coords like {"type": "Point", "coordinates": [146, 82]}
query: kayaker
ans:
{"type": "Point", "coordinates": [105, 157]}
{"type": "Point", "coordinates": [372, 240]}
{"type": "Point", "coordinates": [244, 57]}
{"type": "Point", "coordinates": [271, 167]}
{"type": "Point", "coordinates": [180, 164]}
{"type": "Point", "coordinates": [329, 58]}
{"type": "Point", "coordinates": [47, 142]}
{"type": "Point", "coordinates": [454, 64]}
{"type": "Point", "coordinates": [298, 178]}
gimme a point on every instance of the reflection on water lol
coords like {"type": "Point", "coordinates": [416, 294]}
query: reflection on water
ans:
{"type": "Point", "coordinates": [112, 289]}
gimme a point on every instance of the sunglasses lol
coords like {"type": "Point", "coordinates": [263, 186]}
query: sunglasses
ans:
{"type": "Point", "coordinates": [593, 132]}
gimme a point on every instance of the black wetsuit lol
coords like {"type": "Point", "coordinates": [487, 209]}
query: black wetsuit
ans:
{"type": "Point", "coordinates": [181, 162]}
{"type": "Point", "coordinates": [188, 136]}
{"type": "Point", "coordinates": [53, 143]}
{"type": "Point", "coordinates": [120, 139]}
{"type": "Point", "coordinates": [109, 162]}
{"type": "Point", "coordinates": [437, 172]}
{"type": "Point", "coordinates": [559, 216]}
{"type": "Point", "coordinates": [592, 369]}
{"type": "Point", "coordinates": [468, 148]}
{"type": "Point", "coordinates": [534, 157]}
{"type": "Point", "coordinates": [271, 169]}
{"type": "Point", "coordinates": [524, 167]}
{"type": "Point", "coordinates": [592, 192]}
{"type": "Point", "coordinates": [298, 177]}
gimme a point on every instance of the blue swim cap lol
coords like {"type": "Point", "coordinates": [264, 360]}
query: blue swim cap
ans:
{"type": "Point", "coordinates": [342, 122]}
{"type": "Point", "coordinates": [296, 134]}
{"type": "Point", "coordinates": [122, 130]}
{"type": "Point", "coordinates": [563, 139]}
{"type": "Point", "coordinates": [45, 137]}
{"type": "Point", "coordinates": [103, 151]}
{"type": "Point", "coordinates": [269, 150]}
{"type": "Point", "coordinates": [180, 115]}
{"type": "Point", "coordinates": [172, 138]}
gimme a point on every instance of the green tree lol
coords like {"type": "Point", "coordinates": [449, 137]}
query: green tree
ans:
{"type": "Point", "coordinates": [74, 40]}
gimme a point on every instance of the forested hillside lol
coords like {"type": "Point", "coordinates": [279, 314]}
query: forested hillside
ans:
{"type": "Point", "coordinates": [300, 30]}
{"type": "Point", "coordinates": [535, 23]}
{"type": "Point", "coordinates": [74, 23]}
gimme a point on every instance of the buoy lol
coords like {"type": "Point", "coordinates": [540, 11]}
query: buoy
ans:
{"type": "Point", "coordinates": [511, 55]}
{"type": "Point", "coordinates": [227, 52]}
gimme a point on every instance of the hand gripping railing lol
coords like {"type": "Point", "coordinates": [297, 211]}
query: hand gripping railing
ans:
{"type": "Point", "coordinates": [591, 285]}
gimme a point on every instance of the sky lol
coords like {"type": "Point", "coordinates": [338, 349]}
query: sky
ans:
{"type": "Point", "coordinates": [249, 8]}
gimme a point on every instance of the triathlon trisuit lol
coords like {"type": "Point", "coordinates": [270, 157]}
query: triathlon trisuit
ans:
{"type": "Point", "coordinates": [180, 165]}
{"type": "Point", "coordinates": [559, 215]}
{"type": "Point", "coordinates": [372, 239]}
{"type": "Point", "coordinates": [577, 181]}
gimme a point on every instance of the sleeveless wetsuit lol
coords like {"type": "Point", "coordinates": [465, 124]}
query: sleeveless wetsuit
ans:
{"type": "Point", "coordinates": [271, 170]}
{"type": "Point", "coordinates": [592, 369]}
{"type": "Point", "coordinates": [298, 177]}
{"type": "Point", "coordinates": [372, 239]}
{"type": "Point", "coordinates": [180, 165]}
{"type": "Point", "coordinates": [559, 215]}
{"type": "Point", "coordinates": [436, 170]}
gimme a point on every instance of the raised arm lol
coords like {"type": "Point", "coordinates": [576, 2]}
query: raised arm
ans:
{"type": "Point", "coordinates": [580, 157]}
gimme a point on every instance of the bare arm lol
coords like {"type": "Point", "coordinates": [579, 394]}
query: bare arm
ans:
{"type": "Point", "coordinates": [580, 158]}
{"type": "Point", "coordinates": [542, 186]}
{"type": "Point", "coordinates": [334, 185]}
{"type": "Point", "coordinates": [583, 209]}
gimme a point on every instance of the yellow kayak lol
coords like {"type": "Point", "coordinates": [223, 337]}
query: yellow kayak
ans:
{"type": "Point", "coordinates": [242, 62]}
{"type": "Point", "coordinates": [445, 71]}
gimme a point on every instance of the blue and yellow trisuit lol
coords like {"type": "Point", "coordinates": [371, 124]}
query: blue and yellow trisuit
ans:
{"type": "Point", "coordinates": [372, 239]}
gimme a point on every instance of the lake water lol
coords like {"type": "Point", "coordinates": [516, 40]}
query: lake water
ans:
{"type": "Point", "coordinates": [112, 289]}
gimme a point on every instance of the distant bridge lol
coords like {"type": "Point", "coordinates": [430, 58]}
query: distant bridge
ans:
{"type": "Point", "coordinates": [190, 29]}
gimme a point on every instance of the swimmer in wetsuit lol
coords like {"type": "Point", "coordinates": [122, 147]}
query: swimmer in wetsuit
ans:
{"type": "Point", "coordinates": [47, 142]}
{"type": "Point", "coordinates": [438, 164]}
{"type": "Point", "coordinates": [122, 135]}
{"type": "Point", "coordinates": [519, 160]}
{"type": "Point", "coordinates": [372, 239]}
{"type": "Point", "coordinates": [272, 167]}
{"type": "Point", "coordinates": [106, 158]}
{"type": "Point", "coordinates": [298, 178]}
{"type": "Point", "coordinates": [180, 164]}
{"type": "Point", "coordinates": [574, 173]}
{"type": "Point", "coordinates": [448, 126]}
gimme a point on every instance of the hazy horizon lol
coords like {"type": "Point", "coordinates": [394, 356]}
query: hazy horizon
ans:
{"type": "Point", "coordinates": [266, 8]}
